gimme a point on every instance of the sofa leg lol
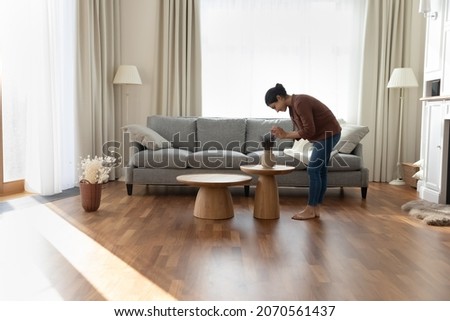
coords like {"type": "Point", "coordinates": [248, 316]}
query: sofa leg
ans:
{"type": "Point", "coordinates": [129, 189]}
{"type": "Point", "coordinates": [246, 190]}
{"type": "Point", "coordinates": [364, 192]}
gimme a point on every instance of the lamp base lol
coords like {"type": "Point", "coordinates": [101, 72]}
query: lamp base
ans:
{"type": "Point", "coordinates": [397, 181]}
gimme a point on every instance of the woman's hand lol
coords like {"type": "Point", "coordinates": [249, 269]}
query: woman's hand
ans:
{"type": "Point", "coordinates": [278, 132]}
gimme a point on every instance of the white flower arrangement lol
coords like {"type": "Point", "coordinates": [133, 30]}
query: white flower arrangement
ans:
{"type": "Point", "coordinates": [96, 170]}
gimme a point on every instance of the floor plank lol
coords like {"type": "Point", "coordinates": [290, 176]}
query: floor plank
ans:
{"type": "Point", "coordinates": [148, 246]}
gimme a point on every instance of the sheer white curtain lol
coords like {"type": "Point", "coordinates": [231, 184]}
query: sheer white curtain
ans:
{"type": "Point", "coordinates": [311, 47]}
{"type": "Point", "coordinates": [38, 61]}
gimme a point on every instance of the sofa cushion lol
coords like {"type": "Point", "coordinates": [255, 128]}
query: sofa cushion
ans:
{"type": "Point", "coordinates": [221, 133]}
{"type": "Point", "coordinates": [163, 158]}
{"type": "Point", "coordinates": [180, 131]}
{"type": "Point", "coordinates": [345, 162]}
{"type": "Point", "coordinates": [217, 159]}
{"type": "Point", "coordinates": [280, 157]}
{"type": "Point", "coordinates": [258, 127]}
{"type": "Point", "coordinates": [351, 135]}
{"type": "Point", "coordinates": [146, 137]}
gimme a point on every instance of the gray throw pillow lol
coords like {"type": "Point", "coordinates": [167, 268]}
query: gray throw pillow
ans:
{"type": "Point", "coordinates": [147, 137]}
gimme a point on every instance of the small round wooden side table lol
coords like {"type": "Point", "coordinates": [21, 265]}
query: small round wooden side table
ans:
{"type": "Point", "coordinates": [213, 199]}
{"type": "Point", "coordinates": [267, 204]}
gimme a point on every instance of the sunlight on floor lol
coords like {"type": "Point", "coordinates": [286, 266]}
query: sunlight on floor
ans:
{"type": "Point", "coordinates": [26, 236]}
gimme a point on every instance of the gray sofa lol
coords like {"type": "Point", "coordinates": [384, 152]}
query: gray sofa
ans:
{"type": "Point", "coordinates": [173, 146]}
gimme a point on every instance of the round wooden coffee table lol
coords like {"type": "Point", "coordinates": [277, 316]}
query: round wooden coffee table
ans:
{"type": "Point", "coordinates": [267, 204]}
{"type": "Point", "coordinates": [213, 199]}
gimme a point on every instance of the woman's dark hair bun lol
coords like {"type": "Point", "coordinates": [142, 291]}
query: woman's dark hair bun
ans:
{"type": "Point", "coordinates": [272, 93]}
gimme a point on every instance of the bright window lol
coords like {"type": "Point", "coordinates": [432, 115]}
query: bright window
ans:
{"type": "Point", "coordinates": [311, 47]}
{"type": "Point", "coordinates": [37, 51]}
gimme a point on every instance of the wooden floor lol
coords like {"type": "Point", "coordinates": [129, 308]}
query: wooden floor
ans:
{"type": "Point", "coordinates": [149, 247]}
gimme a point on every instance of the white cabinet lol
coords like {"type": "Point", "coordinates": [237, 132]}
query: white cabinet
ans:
{"type": "Point", "coordinates": [437, 49]}
{"type": "Point", "coordinates": [445, 83]}
{"type": "Point", "coordinates": [432, 187]}
{"type": "Point", "coordinates": [435, 134]}
{"type": "Point", "coordinates": [433, 44]}
{"type": "Point", "coordinates": [445, 86]}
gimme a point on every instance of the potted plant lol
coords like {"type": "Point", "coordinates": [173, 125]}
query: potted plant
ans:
{"type": "Point", "coordinates": [94, 173]}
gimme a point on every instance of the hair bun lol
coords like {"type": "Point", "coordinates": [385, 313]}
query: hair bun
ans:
{"type": "Point", "coordinates": [272, 93]}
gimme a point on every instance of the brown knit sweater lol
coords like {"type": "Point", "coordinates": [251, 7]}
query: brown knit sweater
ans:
{"type": "Point", "coordinates": [312, 119]}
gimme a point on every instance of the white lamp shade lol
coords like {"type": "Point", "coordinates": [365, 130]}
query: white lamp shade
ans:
{"type": "Point", "coordinates": [127, 74]}
{"type": "Point", "coordinates": [402, 78]}
{"type": "Point", "coordinates": [424, 6]}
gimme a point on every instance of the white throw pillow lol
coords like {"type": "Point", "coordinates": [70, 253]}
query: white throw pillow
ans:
{"type": "Point", "coordinates": [418, 174]}
{"type": "Point", "coordinates": [146, 137]}
{"type": "Point", "coordinates": [301, 145]}
{"type": "Point", "coordinates": [351, 135]}
{"type": "Point", "coordinates": [419, 163]}
{"type": "Point", "coordinates": [301, 150]}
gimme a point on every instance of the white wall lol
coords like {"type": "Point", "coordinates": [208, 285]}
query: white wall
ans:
{"type": "Point", "coordinates": [138, 36]}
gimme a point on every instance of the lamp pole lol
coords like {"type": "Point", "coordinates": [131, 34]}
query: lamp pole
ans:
{"type": "Point", "coordinates": [127, 94]}
{"type": "Point", "coordinates": [401, 78]}
{"type": "Point", "coordinates": [399, 180]}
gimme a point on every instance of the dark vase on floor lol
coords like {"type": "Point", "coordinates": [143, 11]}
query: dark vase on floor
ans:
{"type": "Point", "coordinates": [91, 195]}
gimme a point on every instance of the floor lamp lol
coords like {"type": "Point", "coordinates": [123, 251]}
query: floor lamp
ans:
{"type": "Point", "coordinates": [401, 78]}
{"type": "Point", "coordinates": [127, 75]}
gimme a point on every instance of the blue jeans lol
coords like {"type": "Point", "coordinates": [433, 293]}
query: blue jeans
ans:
{"type": "Point", "coordinates": [318, 168]}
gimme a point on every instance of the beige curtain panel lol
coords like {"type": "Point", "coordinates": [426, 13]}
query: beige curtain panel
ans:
{"type": "Point", "coordinates": [393, 38]}
{"type": "Point", "coordinates": [178, 60]}
{"type": "Point", "coordinates": [97, 58]}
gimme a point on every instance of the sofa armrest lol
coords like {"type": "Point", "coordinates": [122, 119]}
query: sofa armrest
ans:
{"type": "Point", "coordinates": [358, 151]}
{"type": "Point", "coordinates": [129, 149]}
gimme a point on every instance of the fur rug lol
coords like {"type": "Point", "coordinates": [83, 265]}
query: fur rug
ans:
{"type": "Point", "coordinates": [430, 213]}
